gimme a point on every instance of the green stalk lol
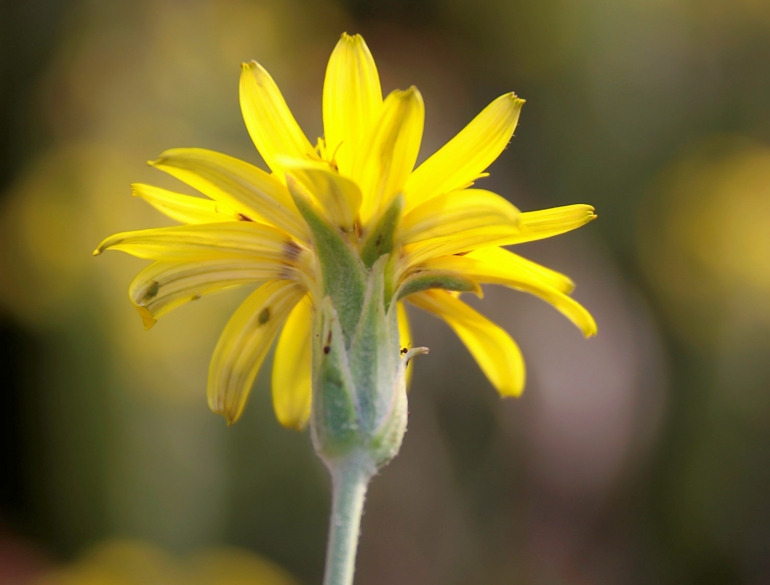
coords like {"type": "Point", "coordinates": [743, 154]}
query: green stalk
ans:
{"type": "Point", "coordinates": [350, 478]}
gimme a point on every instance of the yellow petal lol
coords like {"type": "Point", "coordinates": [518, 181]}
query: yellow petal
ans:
{"type": "Point", "coordinates": [515, 264]}
{"type": "Point", "coordinates": [494, 350]}
{"type": "Point", "coordinates": [463, 159]}
{"type": "Point", "coordinates": [185, 208]}
{"type": "Point", "coordinates": [503, 268]}
{"type": "Point", "coordinates": [387, 155]}
{"type": "Point", "coordinates": [236, 184]}
{"type": "Point", "coordinates": [269, 121]}
{"type": "Point", "coordinates": [546, 223]}
{"type": "Point", "coordinates": [458, 211]}
{"type": "Point", "coordinates": [338, 196]}
{"type": "Point", "coordinates": [244, 344]}
{"type": "Point", "coordinates": [163, 286]}
{"type": "Point", "coordinates": [405, 336]}
{"type": "Point", "coordinates": [352, 99]}
{"type": "Point", "coordinates": [292, 366]}
{"type": "Point", "coordinates": [533, 225]}
{"type": "Point", "coordinates": [202, 241]}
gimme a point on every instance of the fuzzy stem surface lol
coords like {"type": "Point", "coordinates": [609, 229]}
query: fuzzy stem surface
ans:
{"type": "Point", "coordinates": [350, 479]}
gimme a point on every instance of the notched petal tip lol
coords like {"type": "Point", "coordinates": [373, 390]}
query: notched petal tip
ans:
{"type": "Point", "coordinates": [256, 69]}
{"type": "Point", "coordinates": [412, 94]}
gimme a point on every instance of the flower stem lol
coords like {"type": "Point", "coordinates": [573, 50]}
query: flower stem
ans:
{"type": "Point", "coordinates": [350, 478]}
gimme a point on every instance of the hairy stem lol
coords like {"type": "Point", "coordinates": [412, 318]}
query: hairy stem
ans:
{"type": "Point", "coordinates": [350, 478]}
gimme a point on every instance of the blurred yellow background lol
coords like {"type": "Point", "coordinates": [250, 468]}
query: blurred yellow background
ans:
{"type": "Point", "coordinates": [639, 456]}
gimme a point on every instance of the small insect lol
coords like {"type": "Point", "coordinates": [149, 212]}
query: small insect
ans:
{"type": "Point", "coordinates": [328, 344]}
{"type": "Point", "coordinates": [264, 316]}
{"type": "Point", "coordinates": [404, 350]}
{"type": "Point", "coordinates": [151, 293]}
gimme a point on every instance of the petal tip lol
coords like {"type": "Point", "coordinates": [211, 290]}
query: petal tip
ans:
{"type": "Point", "coordinates": [147, 318]}
{"type": "Point", "coordinates": [102, 246]}
{"type": "Point", "coordinates": [293, 424]}
{"type": "Point", "coordinates": [510, 392]}
{"type": "Point", "coordinates": [254, 68]}
{"type": "Point", "coordinates": [354, 39]}
{"type": "Point", "coordinates": [513, 99]}
{"type": "Point", "coordinates": [230, 418]}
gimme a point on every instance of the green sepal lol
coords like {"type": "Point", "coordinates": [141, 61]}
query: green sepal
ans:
{"type": "Point", "coordinates": [386, 441]}
{"type": "Point", "coordinates": [380, 239]}
{"type": "Point", "coordinates": [428, 279]}
{"type": "Point", "coordinates": [375, 351]}
{"type": "Point", "coordinates": [335, 419]}
{"type": "Point", "coordinates": [344, 276]}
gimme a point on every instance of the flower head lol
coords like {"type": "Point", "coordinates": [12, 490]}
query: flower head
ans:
{"type": "Point", "coordinates": [330, 220]}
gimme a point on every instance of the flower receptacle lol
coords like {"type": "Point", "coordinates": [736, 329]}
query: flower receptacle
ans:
{"type": "Point", "coordinates": [359, 388]}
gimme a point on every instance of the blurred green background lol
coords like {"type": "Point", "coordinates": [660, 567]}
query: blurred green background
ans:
{"type": "Point", "coordinates": [639, 456]}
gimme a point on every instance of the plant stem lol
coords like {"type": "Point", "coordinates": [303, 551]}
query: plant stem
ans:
{"type": "Point", "coordinates": [350, 478]}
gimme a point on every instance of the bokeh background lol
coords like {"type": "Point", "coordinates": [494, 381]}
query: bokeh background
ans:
{"type": "Point", "coordinates": [639, 456]}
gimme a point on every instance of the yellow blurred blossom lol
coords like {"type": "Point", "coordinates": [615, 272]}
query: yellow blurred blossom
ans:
{"type": "Point", "coordinates": [127, 562]}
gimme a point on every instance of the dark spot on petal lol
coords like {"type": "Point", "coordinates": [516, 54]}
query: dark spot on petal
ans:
{"type": "Point", "coordinates": [327, 349]}
{"type": "Point", "coordinates": [264, 316]}
{"type": "Point", "coordinates": [291, 250]}
{"type": "Point", "coordinates": [243, 217]}
{"type": "Point", "coordinates": [151, 293]}
{"type": "Point", "coordinates": [287, 273]}
{"type": "Point", "coordinates": [195, 297]}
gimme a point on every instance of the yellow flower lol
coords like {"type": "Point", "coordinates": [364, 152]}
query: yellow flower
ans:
{"type": "Point", "coordinates": [442, 237]}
